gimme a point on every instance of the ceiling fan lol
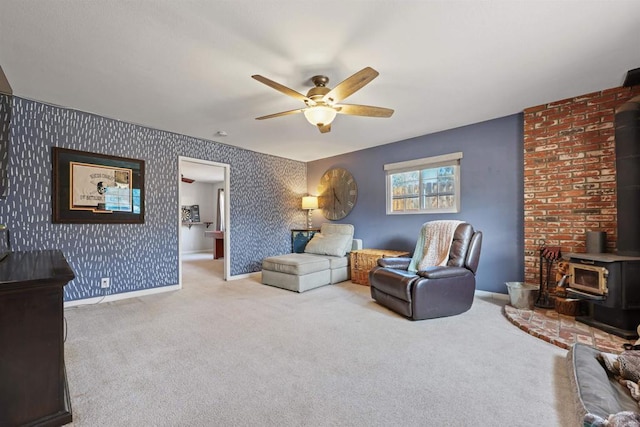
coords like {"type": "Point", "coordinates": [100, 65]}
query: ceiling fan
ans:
{"type": "Point", "coordinates": [322, 103]}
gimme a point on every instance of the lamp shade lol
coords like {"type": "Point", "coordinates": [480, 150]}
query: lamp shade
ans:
{"type": "Point", "coordinates": [310, 202]}
{"type": "Point", "coordinates": [320, 115]}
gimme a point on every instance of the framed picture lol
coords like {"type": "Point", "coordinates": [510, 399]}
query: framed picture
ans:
{"type": "Point", "coordinates": [97, 188]}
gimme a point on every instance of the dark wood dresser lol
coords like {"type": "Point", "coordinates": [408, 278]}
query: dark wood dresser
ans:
{"type": "Point", "coordinates": [33, 385]}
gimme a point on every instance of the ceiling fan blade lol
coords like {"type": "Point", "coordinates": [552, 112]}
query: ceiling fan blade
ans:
{"type": "Point", "coordinates": [350, 85]}
{"type": "Point", "coordinates": [283, 89]}
{"type": "Point", "coordinates": [325, 128]}
{"type": "Point", "coordinates": [363, 110]}
{"type": "Point", "coordinates": [283, 113]}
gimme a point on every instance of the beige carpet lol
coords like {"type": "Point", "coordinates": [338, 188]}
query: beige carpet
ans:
{"type": "Point", "coordinates": [244, 354]}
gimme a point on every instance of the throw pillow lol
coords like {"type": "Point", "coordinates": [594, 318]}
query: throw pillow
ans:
{"type": "Point", "coordinates": [329, 244]}
{"type": "Point", "coordinates": [342, 229]}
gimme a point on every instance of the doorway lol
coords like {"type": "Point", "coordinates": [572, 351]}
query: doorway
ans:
{"type": "Point", "coordinates": [203, 213]}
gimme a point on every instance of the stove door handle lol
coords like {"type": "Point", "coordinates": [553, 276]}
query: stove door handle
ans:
{"type": "Point", "coordinates": [585, 295]}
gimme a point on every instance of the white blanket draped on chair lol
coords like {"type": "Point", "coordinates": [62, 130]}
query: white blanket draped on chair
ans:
{"type": "Point", "coordinates": [433, 244]}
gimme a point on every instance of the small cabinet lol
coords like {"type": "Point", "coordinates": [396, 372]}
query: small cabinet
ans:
{"type": "Point", "coordinates": [300, 237]}
{"type": "Point", "coordinates": [33, 385]}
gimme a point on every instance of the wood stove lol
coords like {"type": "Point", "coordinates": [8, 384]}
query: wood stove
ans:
{"type": "Point", "coordinates": [610, 284]}
{"type": "Point", "coordinates": [617, 310]}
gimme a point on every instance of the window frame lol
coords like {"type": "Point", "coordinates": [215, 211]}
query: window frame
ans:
{"type": "Point", "coordinates": [418, 165]}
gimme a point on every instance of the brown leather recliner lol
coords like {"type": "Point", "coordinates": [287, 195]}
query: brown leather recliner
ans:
{"type": "Point", "coordinates": [435, 292]}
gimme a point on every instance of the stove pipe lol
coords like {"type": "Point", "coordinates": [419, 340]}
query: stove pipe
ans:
{"type": "Point", "coordinates": [627, 121]}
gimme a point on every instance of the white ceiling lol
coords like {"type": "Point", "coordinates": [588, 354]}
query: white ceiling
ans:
{"type": "Point", "coordinates": [186, 66]}
{"type": "Point", "coordinates": [202, 173]}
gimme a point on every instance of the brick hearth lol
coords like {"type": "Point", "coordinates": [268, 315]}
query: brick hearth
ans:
{"type": "Point", "coordinates": [562, 330]}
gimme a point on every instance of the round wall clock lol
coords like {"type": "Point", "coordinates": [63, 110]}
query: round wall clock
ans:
{"type": "Point", "coordinates": [338, 193]}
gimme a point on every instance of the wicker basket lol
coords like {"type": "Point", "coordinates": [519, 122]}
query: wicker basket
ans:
{"type": "Point", "coordinates": [364, 260]}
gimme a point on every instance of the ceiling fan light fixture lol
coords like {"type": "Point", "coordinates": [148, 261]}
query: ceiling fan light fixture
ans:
{"type": "Point", "coordinates": [320, 115]}
{"type": "Point", "coordinates": [322, 103]}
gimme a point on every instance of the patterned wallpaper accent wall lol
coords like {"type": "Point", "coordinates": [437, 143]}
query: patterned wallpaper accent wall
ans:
{"type": "Point", "coordinates": [265, 194]}
{"type": "Point", "coordinates": [5, 120]}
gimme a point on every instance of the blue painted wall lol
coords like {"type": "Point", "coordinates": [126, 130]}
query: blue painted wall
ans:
{"type": "Point", "coordinates": [265, 199]}
{"type": "Point", "coordinates": [491, 189]}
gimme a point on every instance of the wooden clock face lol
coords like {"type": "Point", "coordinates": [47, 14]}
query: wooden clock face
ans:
{"type": "Point", "coordinates": [338, 193]}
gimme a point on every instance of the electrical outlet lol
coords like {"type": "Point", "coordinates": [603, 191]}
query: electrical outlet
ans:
{"type": "Point", "coordinates": [105, 282]}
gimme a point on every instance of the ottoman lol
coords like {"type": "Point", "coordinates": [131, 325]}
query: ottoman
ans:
{"type": "Point", "coordinates": [296, 272]}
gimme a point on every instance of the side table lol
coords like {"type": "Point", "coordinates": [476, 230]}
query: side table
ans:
{"type": "Point", "coordinates": [364, 260]}
{"type": "Point", "coordinates": [218, 246]}
{"type": "Point", "coordinates": [300, 237]}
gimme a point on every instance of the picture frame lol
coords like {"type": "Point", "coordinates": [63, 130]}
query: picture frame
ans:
{"type": "Point", "coordinates": [96, 188]}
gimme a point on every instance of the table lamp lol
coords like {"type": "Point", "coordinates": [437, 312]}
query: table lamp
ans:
{"type": "Point", "coordinates": [309, 203]}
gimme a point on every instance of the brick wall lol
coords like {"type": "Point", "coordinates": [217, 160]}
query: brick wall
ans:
{"type": "Point", "coordinates": [570, 173]}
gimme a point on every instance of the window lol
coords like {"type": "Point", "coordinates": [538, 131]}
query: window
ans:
{"type": "Point", "coordinates": [220, 216]}
{"type": "Point", "coordinates": [429, 185]}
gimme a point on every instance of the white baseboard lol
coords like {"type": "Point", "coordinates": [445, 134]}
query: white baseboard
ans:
{"type": "Point", "coordinates": [492, 295]}
{"type": "Point", "coordinates": [244, 276]}
{"type": "Point", "coordinates": [161, 289]}
{"type": "Point", "coordinates": [123, 295]}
